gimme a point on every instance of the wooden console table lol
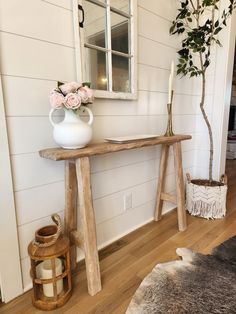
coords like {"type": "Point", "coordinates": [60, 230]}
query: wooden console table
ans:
{"type": "Point", "coordinates": [78, 186]}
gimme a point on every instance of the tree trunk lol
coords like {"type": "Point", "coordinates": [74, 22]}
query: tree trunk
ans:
{"type": "Point", "coordinates": [202, 103]}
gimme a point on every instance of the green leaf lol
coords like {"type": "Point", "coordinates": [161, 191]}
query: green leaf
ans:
{"type": "Point", "coordinates": [172, 28]}
{"type": "Point", "coordinates": [206, 63]}
{"type": "Point", "coordinates": [217, 30]}
{"type": "Point", "coordinates": [179, 71]}
{"type": "Point", "coordinates": [86, 84]}
{"type": "Point", "coordinates": [198, 38]}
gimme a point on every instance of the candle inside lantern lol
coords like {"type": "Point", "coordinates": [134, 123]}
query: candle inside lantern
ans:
{"type": "Point", "coordinates": [171, 82]}
{"type": "Point", "coordinates": [44, 271]}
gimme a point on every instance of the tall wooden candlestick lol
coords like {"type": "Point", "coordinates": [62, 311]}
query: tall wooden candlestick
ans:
{"type": "Point", "coordinates": [169, 130]}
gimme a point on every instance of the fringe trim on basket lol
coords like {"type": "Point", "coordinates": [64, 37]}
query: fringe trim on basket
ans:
{"type": "Point", "coordinates": [206, 210]}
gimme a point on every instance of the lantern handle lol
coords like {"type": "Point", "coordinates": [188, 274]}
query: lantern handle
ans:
{"type": "Point", "coordinates": [57, 219]}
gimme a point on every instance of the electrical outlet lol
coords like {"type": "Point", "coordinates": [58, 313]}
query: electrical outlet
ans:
{"type": "Point", "coordinates": [127, 201]}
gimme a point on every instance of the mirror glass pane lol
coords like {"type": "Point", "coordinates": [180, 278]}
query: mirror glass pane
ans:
{"type": "Point", "coordinates": [119, 33]}
{"type": "Point", "coordinates": [122, 5]}
{"type": "Point", "coordinates": [94, 24]}
{"type": "Point", "coordinates": [120, 74]}
{"type": "Point", "coordinates": [96, 69]}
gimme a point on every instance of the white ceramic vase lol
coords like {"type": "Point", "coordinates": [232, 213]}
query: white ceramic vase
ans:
{"type": "Point", "coordinates": [72, 132]}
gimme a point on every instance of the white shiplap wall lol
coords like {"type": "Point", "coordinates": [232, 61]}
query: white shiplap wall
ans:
{"type": "Point", "coordinates": [37, 49]}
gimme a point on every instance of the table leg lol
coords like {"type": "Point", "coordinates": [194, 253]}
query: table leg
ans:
{"type": "Point", "coordinates": [179, 187]}
{"type": "Point", "coordinates": [71, 206]}
{"type": "Point", "coordinates": [161, 182]}
{"type": "Point", "coordinates": [88, 225]}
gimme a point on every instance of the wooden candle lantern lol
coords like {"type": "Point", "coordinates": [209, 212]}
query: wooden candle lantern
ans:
{"type": "Point", "coordinates": [50, 267]}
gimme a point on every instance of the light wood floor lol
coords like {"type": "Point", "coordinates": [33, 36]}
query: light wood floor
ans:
{"type": "Point", "coordinates": [126, 262]}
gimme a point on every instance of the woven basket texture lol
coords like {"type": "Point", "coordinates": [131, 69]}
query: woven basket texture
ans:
{"type": "Point", "coordinates": [206, 201]}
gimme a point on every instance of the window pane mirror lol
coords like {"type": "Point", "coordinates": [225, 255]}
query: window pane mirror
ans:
{"type": "Point", "coordinates": [95, 24]}
{"type": "Point", "coordinates": [105, 37]}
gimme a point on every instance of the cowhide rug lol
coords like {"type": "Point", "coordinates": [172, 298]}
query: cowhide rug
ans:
{"type": "Point", "coordinates": [197, 284]}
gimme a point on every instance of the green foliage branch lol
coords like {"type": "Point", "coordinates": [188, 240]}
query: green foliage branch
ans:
{"type": "Point", "coordinates": [200, 23]}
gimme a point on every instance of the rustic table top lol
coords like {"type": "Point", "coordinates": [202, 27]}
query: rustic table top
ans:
{"type": "Point", "coordinates": [107, 147]}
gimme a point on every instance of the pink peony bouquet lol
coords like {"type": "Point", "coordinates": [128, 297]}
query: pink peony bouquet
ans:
{"type": "Point", "coordinates": [70, 96]}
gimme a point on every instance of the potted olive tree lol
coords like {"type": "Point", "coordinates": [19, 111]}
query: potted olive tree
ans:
{"type": "Point", "coordinates": [199, 22]}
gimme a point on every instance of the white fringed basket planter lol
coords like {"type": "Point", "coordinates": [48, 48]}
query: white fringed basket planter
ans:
{"type": "Point", "coordinates": [206, 201]}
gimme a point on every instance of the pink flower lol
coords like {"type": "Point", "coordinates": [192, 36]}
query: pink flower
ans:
{"type": "Point", "coordinates": [69, 87]}
{"type": "Point", "coordinates": [84, 97]}
{"type": "Point", "coordinates": [72, 101]}
{"type": "Point", "coordinates": [57, 100]}
{"type": "Point", "coordinates": [86, 94]}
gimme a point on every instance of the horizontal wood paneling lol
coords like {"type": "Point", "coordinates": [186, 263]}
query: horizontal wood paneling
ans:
{"type": "Point", "coordinates": [132, 217]}
{"type": "Point", "coordinates": [41, 201]}
{"type": "Point", "coordinates": [164, 9]}
{"type": "Point", "coordinates": [149, 102]}
{"type": "Point", "coordinates": [33, 103]}
{"type": "Point", "coordinates": [36, 103]}
{"type": "Point", "coordinates": [123, 158]}
{"type": "Point", "coordinates": [51, 28]}
{"type": "Point", "coordinates": [200, 171]}
{"type": "Point", "coordinates": [117, 126]}
{"type": "Point", "coordinates": [122, 178]}
{"type": "Point", "coordinates": [153, 55]}
{"type": "Point", "coordinates": [125, 177]}
{"type": "Point", "coordinates": [155, 27]}
{"type": "Point", "coordinates": [155, 103]}
{"type": "Point", "coordinates": [51, 171]}
{"type": "Point", "coordinates": [189, 145]}
{"type": "Point", "coordinates": [36, 59]}
{"type": "Point", "coordinates": [181, 124]}
{"type": "Point", "coordinates": [202, 158]}
{"type": "Point", "coordinates": [108, 207]}
{"type": "Point", "coordinates": [154, 78]}
{"type": "Point", "coordinates": [66, 4]}
{"type": "Point", "coordinates": [38, 132]}
{"type": "Point", "coordinates": [39, 171]}
{"type": "Point", "coordinates": [202, 141]}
